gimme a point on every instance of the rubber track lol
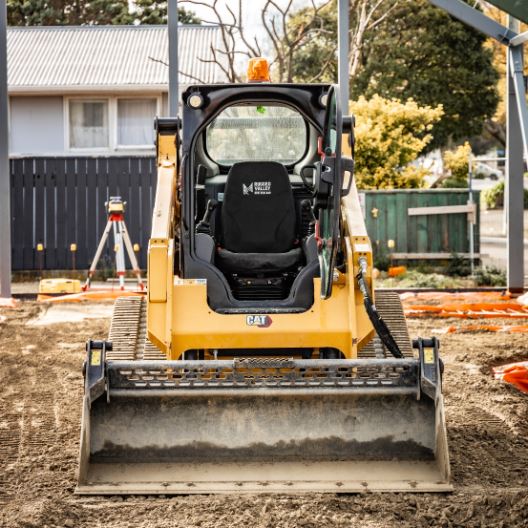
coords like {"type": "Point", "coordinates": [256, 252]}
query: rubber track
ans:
{"type": "Point", "coordinates": [128, 331]}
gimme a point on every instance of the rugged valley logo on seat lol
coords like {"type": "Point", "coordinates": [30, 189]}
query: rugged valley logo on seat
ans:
{"type": "Point", "coordinates": [257, 188]}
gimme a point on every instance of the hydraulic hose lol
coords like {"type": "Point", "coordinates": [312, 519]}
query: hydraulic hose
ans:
{"type": "Point", "coordinates": [375, 318]}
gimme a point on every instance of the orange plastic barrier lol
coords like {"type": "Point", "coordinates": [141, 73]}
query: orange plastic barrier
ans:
{"type": "Point", "coordinates": [465, 305]}
{"type": "Point", "coordinates": [395, 271]}
{"type": "Point", "coordinates": [514, 373]}
{"type": "Point", "coordinates": [90, 295]}
{"type": "Point", "coordinates": [463, 312]}
{"type": "Point", "coordinates": [519, 329]}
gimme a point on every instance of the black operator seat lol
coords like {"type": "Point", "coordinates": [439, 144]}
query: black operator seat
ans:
{"type": "Point", "coordinates": [259, 225]}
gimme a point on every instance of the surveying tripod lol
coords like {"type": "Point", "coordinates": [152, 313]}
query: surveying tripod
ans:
{"type": "Point", "coordinates": [116, 221]}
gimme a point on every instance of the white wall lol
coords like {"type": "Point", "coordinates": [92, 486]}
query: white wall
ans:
{"type": "Point", "coordinates": [36, 125]}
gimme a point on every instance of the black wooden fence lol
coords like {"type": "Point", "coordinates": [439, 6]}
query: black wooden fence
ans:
{"type": "Point", "coordinates": [60, 201]}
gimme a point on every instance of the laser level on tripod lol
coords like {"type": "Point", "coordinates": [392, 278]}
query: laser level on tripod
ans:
{"type": "Point", "coordinates": [116, 222]}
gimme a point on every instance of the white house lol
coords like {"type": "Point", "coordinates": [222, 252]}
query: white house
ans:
{"type": "Point", "coordinates": [95, 90]}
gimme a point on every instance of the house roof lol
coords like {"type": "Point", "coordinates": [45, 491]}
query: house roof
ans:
{"type": "Point", "coordinates": [76, 58]}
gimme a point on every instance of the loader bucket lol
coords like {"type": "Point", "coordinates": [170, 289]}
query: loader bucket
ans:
{"type": "Point", "coordinates": [169, 427]}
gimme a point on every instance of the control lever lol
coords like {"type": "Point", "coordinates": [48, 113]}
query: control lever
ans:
{"type": "Point", "coordinates": [204, 225]}
{"type": "Point", "coordinates": [306, 208]}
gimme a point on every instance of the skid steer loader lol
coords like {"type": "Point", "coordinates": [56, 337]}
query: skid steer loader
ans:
{"type": "Point", "coordinates": [261, 359]}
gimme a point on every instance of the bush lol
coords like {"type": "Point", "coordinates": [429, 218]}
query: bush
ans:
{"type": "Point", "coordinates": [382, 261]}
{"type": "Point", "coordinates": [490, 276]}
{"type": "Point", "coordinates": [390, 135]}
{"type": "Point", "coordinates": [456, 162]}
{"type": "Point", "coordinates": [494, 198]}
{"type": "Point", "coordinates": [458, 266]}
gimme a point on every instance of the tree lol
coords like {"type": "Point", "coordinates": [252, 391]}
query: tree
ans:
{"type": "Point", "coordinates": [389, 136]}
{"type": "Point", "coordinates": [303, 42]}
{"type": "Point", "coordinates": [317, 59]}
{"type": "Point", "coordinates": [425, 54]}
{"type": "Point", "coordinates": [410, 49]}
{"type": "Point", "coordinates": [285, 44]}
{"type": "Point", "coordinates": [67, 12]}
{"type": "Point", "coordinates": [154, 12]}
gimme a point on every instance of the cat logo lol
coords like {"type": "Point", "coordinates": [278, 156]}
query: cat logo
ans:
{"type": "Point", "coordinates": [246, 189]}
{"type": "Point", "coordinates": [262, 321]}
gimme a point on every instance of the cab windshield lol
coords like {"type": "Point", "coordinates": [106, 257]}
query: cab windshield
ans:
{"type": "Point", "coordinates": [257, 133]}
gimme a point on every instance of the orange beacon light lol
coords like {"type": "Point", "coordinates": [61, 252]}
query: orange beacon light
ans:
{"type": "Point", "coordinates": [258, 70]}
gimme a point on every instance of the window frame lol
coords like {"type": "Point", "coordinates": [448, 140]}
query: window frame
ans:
{"type": "Point", "coordinates": [112, 102]}
{"type": "Point", "coordinates": [67, 123]}
{"type": "Point", "coordinates": [224, 167]}
{"type": "Point", "coordinates": [117, 145]}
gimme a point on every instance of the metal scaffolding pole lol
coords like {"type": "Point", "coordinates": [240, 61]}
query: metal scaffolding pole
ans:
{"type": "Point", "coordinates": [172, 24]}
{"type": "Point", "coordinates": [514, 199]}
{"type": "Point", "coordinates": [517, 127]}
{"type": "Point", "coordinates": [343, 50]}
{"type": "Point", "coordinates": [476, 19]}
{"type": "Point", "coordinates": [5, 192]}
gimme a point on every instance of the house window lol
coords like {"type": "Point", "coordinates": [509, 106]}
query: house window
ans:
{"type": "Point", "coordinates": [135, 122]}
{"type": "Point", "coordinates": [89, 124]}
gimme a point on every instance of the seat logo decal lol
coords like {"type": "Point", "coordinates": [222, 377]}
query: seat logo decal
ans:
{"type": "Point", "coordinates": [257, 188]}
{"type": "Point", "coordinates": [262, 321]}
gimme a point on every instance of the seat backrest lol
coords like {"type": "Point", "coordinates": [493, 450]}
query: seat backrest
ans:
{"type": "Point", "coordinates": [258, 211]}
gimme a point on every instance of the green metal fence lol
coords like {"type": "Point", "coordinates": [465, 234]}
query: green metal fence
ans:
{"type": "Point", "coordinates": [394, 231]}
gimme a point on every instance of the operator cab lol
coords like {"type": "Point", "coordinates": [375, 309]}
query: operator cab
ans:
{"type": "Point", "coordinates": [250, 155]}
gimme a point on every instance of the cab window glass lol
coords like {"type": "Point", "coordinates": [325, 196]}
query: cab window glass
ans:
{"type": "Point", "coordinates": [257, 133]}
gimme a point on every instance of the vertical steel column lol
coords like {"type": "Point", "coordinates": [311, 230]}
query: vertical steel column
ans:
{"type": "Point", "coordinates": [5, 184]}
{"type": "Point", "coordinates": [172, 25]}
{"type": "Point", "coordinates": [343, 51]}
{"type": "Point", "coordinates": [513, 196]}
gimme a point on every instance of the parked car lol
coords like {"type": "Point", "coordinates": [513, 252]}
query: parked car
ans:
{"type": "Point", "coordinates": [482, 170]}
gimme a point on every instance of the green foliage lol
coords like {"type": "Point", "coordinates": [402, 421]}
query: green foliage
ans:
{"type": "Point", "coordinates": [456, 162]}
{"type": "Point", "coordinates": [90, 12]}
{"type": "Point", "coordinates": [414, 278]}
{"type": "Point", "coordinates": [493, 198]}
{"type": "Point", "coordinates": [154, 12]}
{"type": "Point", "coordinates": [316, 59]}
{"type": "Point", "coordinates": [458, 266]}
{"type": "Point", "coordinates": [417, 52]}
{"type": "Point", "coordinates": [490, 276]}
{"type": "Point", "coordinates": [67, 12]}
{"type": "Point", "coordinates": [389, 136]}
{"type": "Point", "coordinates": [423, 53]}
{"type": "Point", "coordinates": [382, 260]}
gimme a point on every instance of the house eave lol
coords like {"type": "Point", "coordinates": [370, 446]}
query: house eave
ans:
{"type": "Point", "coordinates": [107, 88]}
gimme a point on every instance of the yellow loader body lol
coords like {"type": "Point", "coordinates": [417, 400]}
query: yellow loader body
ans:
{"type": "Point", "coordinates": [189, 396]}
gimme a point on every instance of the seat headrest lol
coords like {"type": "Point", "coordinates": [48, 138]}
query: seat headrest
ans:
{"type": "Point", "coordinates": [258, 179]}
{"type": "Point", "coordinates": [258, 211]}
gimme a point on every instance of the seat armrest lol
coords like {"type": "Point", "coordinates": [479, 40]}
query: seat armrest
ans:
{"type": "Point", "coordinates": [309, 247]}
{"type": "Point", "coordinates": [204, 247]}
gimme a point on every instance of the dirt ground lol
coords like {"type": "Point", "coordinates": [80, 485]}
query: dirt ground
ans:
{"type": "Point", "coordinates": [40, 402]}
